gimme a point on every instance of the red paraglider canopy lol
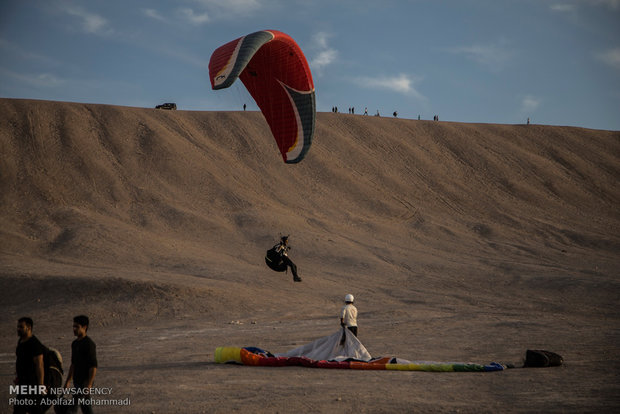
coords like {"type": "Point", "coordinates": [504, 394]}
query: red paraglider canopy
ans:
{"type": "Point", "coordinates": [275, 71]}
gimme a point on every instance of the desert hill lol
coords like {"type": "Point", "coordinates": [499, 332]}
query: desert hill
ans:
{"type": "Point", "coordinates": [444, 231]}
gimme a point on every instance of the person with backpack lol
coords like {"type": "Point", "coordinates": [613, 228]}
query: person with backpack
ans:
{"type": "Point", "coordinates": [277, 258]}
{"type": "Point", "coordinates": [29, 367]}
{"type": "Point", "coordinates": [83, 360]}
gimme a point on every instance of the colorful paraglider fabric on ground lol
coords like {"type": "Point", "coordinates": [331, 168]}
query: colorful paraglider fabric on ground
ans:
{"type": "Point", "coordinates": [275, 72]}
{"type": "Point", "coordinates": [331, 352]}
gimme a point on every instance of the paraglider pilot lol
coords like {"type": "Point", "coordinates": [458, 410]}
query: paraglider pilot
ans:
{"type": "Point", "coordinates": [283, 249]}
{"type": "Point", "coordinates": [277, 258]}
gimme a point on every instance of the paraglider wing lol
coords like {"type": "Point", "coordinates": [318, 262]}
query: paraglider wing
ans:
{"type": "Point", "coordinates": [275, 72]}
{"type": "Point", "coordinates": [330, 352]}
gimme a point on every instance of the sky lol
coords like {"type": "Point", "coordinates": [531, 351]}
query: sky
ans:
{"type": "Point", "coordinates": [556, 62]}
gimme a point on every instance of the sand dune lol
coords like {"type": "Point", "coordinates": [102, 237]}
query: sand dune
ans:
{"type": "Point", "coordinates": [460, 241]}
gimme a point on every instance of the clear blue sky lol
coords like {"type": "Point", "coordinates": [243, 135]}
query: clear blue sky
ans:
{"type": "Point", "coordinates": [554, 61]}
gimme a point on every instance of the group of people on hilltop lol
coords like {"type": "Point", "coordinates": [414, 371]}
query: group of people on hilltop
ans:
{"type": "Point", "coordinates": [394, 114]}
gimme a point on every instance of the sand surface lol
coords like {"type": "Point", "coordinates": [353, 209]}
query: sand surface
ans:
{"type": "Point", "coordinates": [461, 242]}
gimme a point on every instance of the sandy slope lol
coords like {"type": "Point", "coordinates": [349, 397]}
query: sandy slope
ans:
{"type": "Point", "coordinates": [464, 242]}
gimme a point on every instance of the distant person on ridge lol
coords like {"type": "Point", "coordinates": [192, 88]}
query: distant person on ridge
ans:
{"type": "Point", "coordinates": [348, 314]}
{"type": "Point", "coordinates": [278, 260]}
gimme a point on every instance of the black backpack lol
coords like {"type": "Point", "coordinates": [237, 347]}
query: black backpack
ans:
{"type": "Point", "coordinates": [52, 370]}
{"type": "Point", "coordinates": [52, 363]}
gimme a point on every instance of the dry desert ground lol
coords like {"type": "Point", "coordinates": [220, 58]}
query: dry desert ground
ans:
{"type": "Point", "coordinates": [461, 242]}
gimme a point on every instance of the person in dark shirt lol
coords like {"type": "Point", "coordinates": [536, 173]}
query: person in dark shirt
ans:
{"type": "Point", "coordinates": [83, 359]}
{"type": "Point", "coordinates": [29, 365]}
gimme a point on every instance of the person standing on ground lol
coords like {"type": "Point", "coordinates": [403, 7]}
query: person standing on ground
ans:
{"type": "Point", "coordinates": [29, 366]}
{"type": "Point", "coordinates": [348, 314]}
{"type": "Point", "coordinates": [83, 359]}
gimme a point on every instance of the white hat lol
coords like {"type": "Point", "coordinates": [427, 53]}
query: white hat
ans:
{"type": "Point", "coordinates": [349, 298]}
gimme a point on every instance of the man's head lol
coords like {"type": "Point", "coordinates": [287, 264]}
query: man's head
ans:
{"type": "Point", "coordinates": [349, 298]}
{"type": "Point", "coordinates": [24, 327]}
{"type": "Point", "coordinates": [80, 325]}
{"type": "Point", "coordinates": [284, 239]}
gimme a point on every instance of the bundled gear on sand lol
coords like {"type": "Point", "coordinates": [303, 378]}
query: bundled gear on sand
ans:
{"type": "Point", "coordinates": [541, 358]}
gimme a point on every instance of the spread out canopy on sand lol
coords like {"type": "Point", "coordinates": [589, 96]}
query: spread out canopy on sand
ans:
{"type": "Point", "coordinates": [275, 71]}
{"type": "Point", "coordinates": [342, 349]}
